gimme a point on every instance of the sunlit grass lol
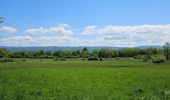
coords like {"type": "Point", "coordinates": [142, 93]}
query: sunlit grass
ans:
{"type": "Point", "coordinates": [125, 78]}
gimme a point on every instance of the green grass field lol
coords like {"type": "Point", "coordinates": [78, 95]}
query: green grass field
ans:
{"type": "Point", "coordinates": [122, 79]}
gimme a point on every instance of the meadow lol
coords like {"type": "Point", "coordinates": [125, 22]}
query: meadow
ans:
{"type": "Point", "coordinates": [75, 79]}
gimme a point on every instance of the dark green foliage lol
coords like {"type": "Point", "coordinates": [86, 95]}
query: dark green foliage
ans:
{"type": "Point", "coordinates": [166, 49]}
{"type": "Point", "coordinates": [76, 53]}
{"type": "Point", "coordinates": [85, 49]}
{"type": "Point", "coordinates": [85, 53]}
{"type": "Point", "coordinates": [101, 59]}
{"type": "Point", "coordinates": [62, 59]}
{"type": "Point", "coordinates": [59, 59]}
{"type": "Point", "coordinates": [146, 58]}
{"type": "Point", "coordinates": [158, 59]}
{"type": "Point", "coordinates": [24, 60]}
{"type": "Point", "coordinates": [138, 57]}
{"type": "Point", "coordinates": [105, 53]}
{"type": "Point", "coordinates": [6, 60]}
{"type": "Point", "coordinates": [117, 58]}
{"type": "Point", "coordinates": [93, 58]}
{"type": "Point", "coordinates": [56, 59]}
{"type": "Point", "coordinates": [84, 58]}
{"type": "Point", "coordinates": [4, 53]}
{"type": "Point", "coordinates": [72, 57]}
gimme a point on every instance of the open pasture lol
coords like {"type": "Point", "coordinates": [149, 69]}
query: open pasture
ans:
{"type": "Point", "coordinates": [75, 79]}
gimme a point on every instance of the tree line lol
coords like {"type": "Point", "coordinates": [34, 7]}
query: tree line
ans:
{"type": "Point", "coordinates": [85, 53]}
{"type": "Point", "coordinates": [156, 55]}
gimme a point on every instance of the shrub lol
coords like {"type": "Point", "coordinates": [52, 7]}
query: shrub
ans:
{"type": "Point", "coordinates": [145, 58]}
{"type": "Point", "coordinates": [138, 57]}
{"type": "Point", "coordinates": [6, 60]}
{"type": "Point", "coordinates": [101, 59]}
{"type": "Point", "coordinates": [56, 58]}
{"type": "Point", "coordinates": [116, 57]}
{"type": "Point", "coordinates": [62, 59]}
{"type": "Point", "coordinates": [24, 60]}
{"type": "Point", "coordinates": [158, 59]}
{"type": "Point", "coordinates": [84, 58]}
{"type": "Point", "coordinates": [92, 58]}
{"type": "Point", "coordinates": [59, 59]}
{"type": "Point", "coordinates": [72, 57]}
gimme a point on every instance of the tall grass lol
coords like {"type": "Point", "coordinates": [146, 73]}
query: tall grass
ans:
{"type": "Point", "coordinates": [117, 79]}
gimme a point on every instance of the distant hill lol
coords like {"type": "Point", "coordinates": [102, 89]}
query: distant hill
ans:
{"type": "Point", "coordinates": [53, 48]}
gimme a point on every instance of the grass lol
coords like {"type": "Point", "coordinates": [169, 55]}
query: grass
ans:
{"type": "Point", "coordinates": [122, 79]}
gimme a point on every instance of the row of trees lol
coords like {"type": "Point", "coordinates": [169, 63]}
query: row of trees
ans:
{"type": "Point", "coordinates": [85, 53]}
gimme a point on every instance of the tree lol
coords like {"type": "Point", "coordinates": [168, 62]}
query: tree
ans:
{"type": "Point", "coordinates": [48, 54]}
{"type": "Point", "coordinates": [76, 53]}
{"type": "Point", "coordinates": [59, 54]}
{"type": "Point", "coordinates": [95, 53]}
{"type": "Point", "coordinates": [105, 53]}
{"type": "Point", "coordinates": [85, 52]}
{"type": "Point", "coordinates": [3, 52]}
{"type": "Point", "coordinates": [166, 49]}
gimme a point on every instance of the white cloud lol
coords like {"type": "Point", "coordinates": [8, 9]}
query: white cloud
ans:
{"type": "Point", "coordinates": [62, 29]}
{"type": "Point", "coordinates": [5, 29]}
{"type": "Point", "coordinates": [137, 35]}
{"type": "Point", "coordinates": [20, 38]}
{"type": "Point", "coordinates": [39, 41]}
{"type": "Point", "coordinates": [17, 41]}
{"type": "Point", "coordinates": [57, 41]}
{"type": "Point", "coordinates": [89, 30]}
{"type": "Point", "coordinates": [105, 36]}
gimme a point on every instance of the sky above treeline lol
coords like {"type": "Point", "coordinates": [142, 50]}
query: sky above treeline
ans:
{"type": "Point", "coordinates": [119, 23]}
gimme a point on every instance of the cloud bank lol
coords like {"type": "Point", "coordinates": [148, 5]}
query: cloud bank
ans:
{"type": "Point", "coordinates": [7, 30]}
{"type": "Point", "coordinates": [109, 35]}
{"type": "Point", "coordinates": [61, 30]}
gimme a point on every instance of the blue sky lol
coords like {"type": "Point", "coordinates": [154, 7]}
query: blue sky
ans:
{"type": "Point", "coordinates": [85, 22]}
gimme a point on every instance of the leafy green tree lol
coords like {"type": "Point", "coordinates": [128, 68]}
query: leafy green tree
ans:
{"type": "Point", "coordinates": [76, 53]}
{"type": "Point", "coordinates": [39, 54]}
{"type": "Point", "coordinates": [59, 54]}
{"type": "Point", "coordinates": [158, 59]}
{"type": "Point", "coordinates": [105, 53]}
{"type": "Point", "coordinates": [166, 49]}
{"type": "Point", "coordinates": [85, 52]}
{"type": "Point", "coordinates": [3, 52]}
{"type": "Point", "coordinates": [95, 53]}
{"type": "Point", "coordinates": [47, 54]}
{"type": "Point", "coordinates": [68, 53]}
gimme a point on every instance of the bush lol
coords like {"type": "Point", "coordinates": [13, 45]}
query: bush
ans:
{"type": "Point", "coordinates": [145, 58]}
{"type": "Point", "coordinates": [56, 58]}
{"type": "Point", "coordinates": [59, 59]}
{"type": "Point", "coordinates": [101, 59]}
{"type": "Point", "coordinates": [116, 57]}
{"type": "Point", "coordinates": [138, 57]}
{"type": "Point", "coordinates": [6, 60]}
{"type": "Point", "coordinates": [24, 60]}
{"type": "Point", "coordinates": [92, 58]}
{"type": "Point", "coordinates": [62, 59]}
{"type": "Point", "coordinates": [72, 57]}
{"type": "Point", "coordinates": [158, 59]}
{"type": "Point", "coordinates": [84, 58]}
